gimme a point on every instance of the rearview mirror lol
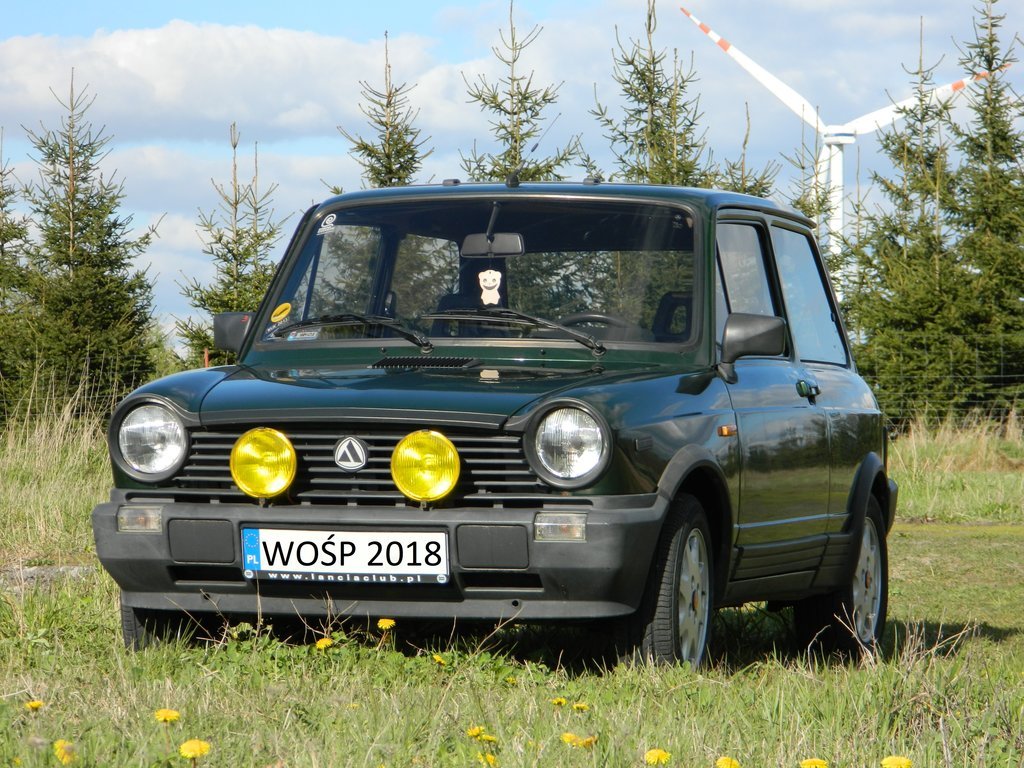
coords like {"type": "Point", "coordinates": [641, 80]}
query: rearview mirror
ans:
{"type": "Point", "coordinates": [498, 244]}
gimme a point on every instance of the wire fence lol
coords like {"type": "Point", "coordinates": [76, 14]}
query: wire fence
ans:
{"type": "Point", "coordinates": [958, 379]}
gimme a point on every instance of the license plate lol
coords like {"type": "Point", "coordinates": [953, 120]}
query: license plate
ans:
{"type": "Point", "coordinates": [348, 557]}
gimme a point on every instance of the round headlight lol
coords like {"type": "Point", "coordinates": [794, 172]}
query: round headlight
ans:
{"type": "Point", "coordinates": [263, 463]}
{"type": "Point", "coordinates": [152, 440]}
{"type": "Point", "coordinates": [570, 446]}
{"type": "Point", "coordinates": [425, 465]}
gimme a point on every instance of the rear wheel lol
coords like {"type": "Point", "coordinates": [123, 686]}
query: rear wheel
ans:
{"type": "Point", "coordinates": [674, 619]}
{"type": "Point", "coordinates": [853, 617]}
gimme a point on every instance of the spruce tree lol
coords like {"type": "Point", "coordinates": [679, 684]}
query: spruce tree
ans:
{"type": "Point", "coordinates": [94, 306]}
{"type": "Point", "coordinates": [238, 236]}
{"type": "Point", "coordinates": [988, 211]}
{"type": "Point", "coordinates": [16, 314]}
{"type": "Point", "coordinates": [517, 107]}
{"type": "Point", "coordinates": [656, 139]}
{"type": "Point", "coordinates": [736, 176]}
{"type": "Point", "coordinates": [911, 297]}
{"type": "Point", "coordinates": [395, 155]}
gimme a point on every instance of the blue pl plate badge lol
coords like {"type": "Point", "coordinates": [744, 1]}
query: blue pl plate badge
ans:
{"type": "Point", "coordinates": [250, 552]}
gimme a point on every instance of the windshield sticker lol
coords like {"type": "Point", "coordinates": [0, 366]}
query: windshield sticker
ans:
{"type": "Point", "coordinates": [488, 374]}
{"type": "Point", "coordinates": [281, 313]}
{"type": "Point", "coordinates": [490, 279]}
{"type": "Point", "coordinates": [327, 225]}
{"type": "Point", "coordinates": [309, 335]}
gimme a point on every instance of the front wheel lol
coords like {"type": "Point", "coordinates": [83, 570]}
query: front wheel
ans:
{"type": "Point", "coordinates": [674, 619]}
{"type": "Point", "coordinates": [141, 628]}
{"type": "Point", "coordinates": [853, 617]}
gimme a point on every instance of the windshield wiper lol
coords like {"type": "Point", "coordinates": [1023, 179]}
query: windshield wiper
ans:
{"type": "Point", "coordinates": [503, 315]}
{"type": "Point", "coordinates": [351, 318]}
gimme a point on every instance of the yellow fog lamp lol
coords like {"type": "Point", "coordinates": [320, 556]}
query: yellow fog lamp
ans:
{"type": "Point", "coordinates": [263, 463]}
{"type": "Point", "coordinates": [425, 465]}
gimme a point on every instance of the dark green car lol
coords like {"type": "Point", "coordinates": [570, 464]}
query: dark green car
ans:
{"type": "Point", "coordinates": [537, 403]}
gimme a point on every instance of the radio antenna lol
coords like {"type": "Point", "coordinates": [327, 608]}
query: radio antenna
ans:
{"type": "Point", "coordinates": [512, 180]}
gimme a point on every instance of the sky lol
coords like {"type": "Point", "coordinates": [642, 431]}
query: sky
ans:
{"type": "Point", "coordinates": [169, 79]}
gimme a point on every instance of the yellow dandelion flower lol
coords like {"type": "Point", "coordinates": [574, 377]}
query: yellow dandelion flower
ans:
{"type": "Point", "coordinates": [581, 706]}
{"type": "Point", "coordinates": [353, 705]}
{"type": "Point", "coordinates": [385, 625]}
{"type": "Point", "coordinates": [511, 680]}
{"type": "Point", "coordinates": [559, 701]}
{"type": "Point", "coordinates": [439, 659]}
{"type": "Point", "coordinates": [64, 751]}
{"type": "Point", "coordinates": [896, 761]}
{"type": "Point", "coordinates": [488, 738]}
{"type": "Point", "coordinates": [814, 762]}
{"type": "Point", "coordinates": [486, 758]}
{"type": "Point", "coordinates": [657, 757]}
{"type": "Point", "coordinates": [193, 749]}
{"type": "Point", "coordinates": [167, 715]}
{"type": "Point", "coordinates": [475, 732]}
{"type": "Point", "coordinates": [324, 643]}
{"type": "Point", "coordinates": [582, 742]}
{"type": "Point", "coordinates": [726, 762]}
{"type": "Point", "coordinates": [34, 706]}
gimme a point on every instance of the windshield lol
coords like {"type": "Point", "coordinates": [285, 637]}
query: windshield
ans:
{"type": "Point", "coordinates": [454, 268]}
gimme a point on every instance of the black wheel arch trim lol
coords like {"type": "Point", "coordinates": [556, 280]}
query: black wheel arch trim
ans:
{"type": "Point", "coordinates": [870, 480]}
{"type": "Point", "coordinates": [687, 472]}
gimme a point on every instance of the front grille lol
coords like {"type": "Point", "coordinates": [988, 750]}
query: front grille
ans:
{"type": "Point", "coordinates": [494, 470]}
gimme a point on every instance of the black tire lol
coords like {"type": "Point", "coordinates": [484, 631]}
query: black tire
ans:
{"type": "Point", "coordinates": [851, 619]}
{"type": "Point", "coordinates": [673, 624]}
{"type": "Point", "coordinates": [142, 628]}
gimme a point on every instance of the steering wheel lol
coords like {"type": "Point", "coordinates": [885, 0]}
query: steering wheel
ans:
{"type": "Point", "coordinates": [586, 318]}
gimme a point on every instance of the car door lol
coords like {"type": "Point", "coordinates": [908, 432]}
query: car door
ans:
{"type": "Point", "coordinates": [782, 510]}
{"type": "Point", "coordinates": [823, 355]}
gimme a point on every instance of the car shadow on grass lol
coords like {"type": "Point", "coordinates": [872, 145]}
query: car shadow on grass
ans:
{"type": "Point", "coordinates": [740, 637]}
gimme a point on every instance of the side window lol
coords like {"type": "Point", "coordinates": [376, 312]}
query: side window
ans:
{"type": "Point", "coordinates": [813, 323]}
{"type": "Point", "coordinates": [741, 255]}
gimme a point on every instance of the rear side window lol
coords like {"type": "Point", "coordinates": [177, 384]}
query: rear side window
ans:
{"type": "Point", "coordinates": [813, 323]}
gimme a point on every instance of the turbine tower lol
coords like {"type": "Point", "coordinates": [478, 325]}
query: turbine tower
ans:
{"type": "Point", "coordinates": [834, 138]}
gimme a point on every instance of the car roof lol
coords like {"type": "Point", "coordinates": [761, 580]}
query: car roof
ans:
{"type": "Point", "coordinates": [704, 200]}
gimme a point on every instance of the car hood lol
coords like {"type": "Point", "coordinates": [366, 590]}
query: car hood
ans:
{"type": "Point", "coordinates": [475, 397]}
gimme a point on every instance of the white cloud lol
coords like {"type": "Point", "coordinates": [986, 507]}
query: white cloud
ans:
{"type": "Point", "coordinates": [167, 95]}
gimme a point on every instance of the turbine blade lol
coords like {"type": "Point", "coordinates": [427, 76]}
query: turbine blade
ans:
{"type": "Point", "coordinates": [801, 106]}
{"type": "Point", "coordinates": [881, 118]}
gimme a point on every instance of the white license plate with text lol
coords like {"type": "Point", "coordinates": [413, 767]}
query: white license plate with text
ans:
{"type": "Point", "coordinates": [371, 557]}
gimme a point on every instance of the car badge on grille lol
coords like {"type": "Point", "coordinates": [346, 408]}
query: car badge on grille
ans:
{"type": "Point", "coordinates": [350, 454]}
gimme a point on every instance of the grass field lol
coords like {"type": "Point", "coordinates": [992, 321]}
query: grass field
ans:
{"type": "Point", "coordinates": [947, 690]}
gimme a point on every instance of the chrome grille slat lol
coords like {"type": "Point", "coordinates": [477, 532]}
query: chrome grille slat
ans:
{"type": "Point", "coordinates": [494, 466]}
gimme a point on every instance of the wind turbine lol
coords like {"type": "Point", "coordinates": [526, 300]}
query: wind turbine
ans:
{"type": "Point", "coordinates": [834, 138]}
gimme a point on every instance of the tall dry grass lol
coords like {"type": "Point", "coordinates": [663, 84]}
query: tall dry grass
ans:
{"type": "Point", "coordinates": [961, 471]}
{"type": "Point", "coordinates": [53, 470]}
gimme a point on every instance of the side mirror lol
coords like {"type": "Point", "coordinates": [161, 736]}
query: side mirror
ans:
{"type": "Point", "coordinates": [229, 330]}
{"type": "Point", "coordinates": [747, 335]}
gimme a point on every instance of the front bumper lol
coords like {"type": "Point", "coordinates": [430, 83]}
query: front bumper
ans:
{"type": "Point", "coordinates": [498, 570]}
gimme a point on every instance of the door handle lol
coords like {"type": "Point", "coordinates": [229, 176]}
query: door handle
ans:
{"type": "Point", "coordinates": [808, 389]}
